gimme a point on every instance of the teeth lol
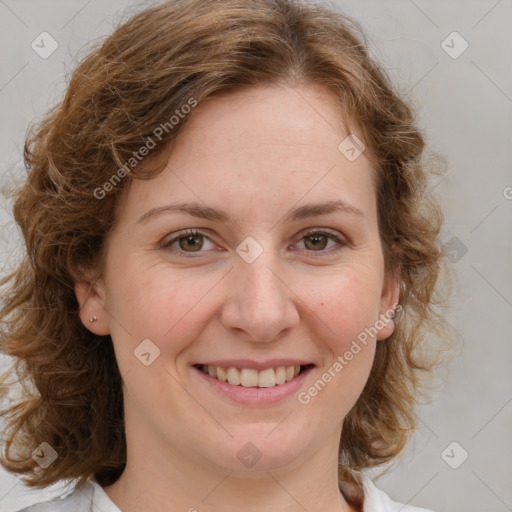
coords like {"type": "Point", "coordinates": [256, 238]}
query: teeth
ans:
{"type": "Point", "coordinates": [280, 375]}
{"type": "Point", "coordinates": [233, 376]}
{"type": "Point", "coordinates": [267, 378]}
{"type": "Point", "coordinates": [250, 378]}
{"type": "Point", "coordinates": [221, 373]}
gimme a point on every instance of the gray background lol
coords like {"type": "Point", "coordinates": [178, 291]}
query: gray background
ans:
{"type": "Point", "coordinates": [465, 106]}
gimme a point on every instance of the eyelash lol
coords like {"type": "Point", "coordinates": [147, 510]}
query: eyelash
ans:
{"type": "Point", "coordinates": [197, 233]}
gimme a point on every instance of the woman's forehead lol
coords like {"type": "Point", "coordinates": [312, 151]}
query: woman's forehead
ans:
{"type": "Point", "coordinates": [261, 146]}
{"type": "Point", "coordinates": [279, 111]}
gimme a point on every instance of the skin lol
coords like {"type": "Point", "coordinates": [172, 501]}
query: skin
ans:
{"type": "Point", "coordinates": [256, 152]}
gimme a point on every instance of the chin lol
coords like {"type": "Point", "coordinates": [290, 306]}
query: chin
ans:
{"type": "Point", "coordinates": [258, 447]}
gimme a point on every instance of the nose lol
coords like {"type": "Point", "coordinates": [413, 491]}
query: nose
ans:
{"type": "Point", "coordinates": [260, 302]}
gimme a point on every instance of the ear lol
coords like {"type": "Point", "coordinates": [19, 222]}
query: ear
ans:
{"type": "Point", "coordinates": [91, 297]}
{"type": "Point", "coordinates": [389, 302]}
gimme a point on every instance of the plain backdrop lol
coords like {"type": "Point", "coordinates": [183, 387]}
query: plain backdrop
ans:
{"type": "Point", "coordinates": [453, 59]}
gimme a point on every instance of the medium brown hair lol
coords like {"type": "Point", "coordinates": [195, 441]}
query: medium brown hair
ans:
{"type": "Point", "coordinates": [126, 87]}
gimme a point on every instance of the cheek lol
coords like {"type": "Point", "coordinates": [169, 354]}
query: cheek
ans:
{"type": "Point", "coordinates": [346, 308]}
{"type": "Point", "coordinates": [346, 312]}
{"type": "Point", "coordinates": [345, 302]}
{"type": "Point", "coordinates": [336, 390]}
{"type": "Point", "coordinates": [165, 307]}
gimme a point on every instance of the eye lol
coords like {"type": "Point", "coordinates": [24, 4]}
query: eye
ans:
{"type": "Point", "coordinates": [192, 241]}
{"type": "Point", "coordinates": [318, 240]}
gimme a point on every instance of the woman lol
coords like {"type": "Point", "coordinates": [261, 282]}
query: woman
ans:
{"type": "Point", "coordinates": [230, 272]}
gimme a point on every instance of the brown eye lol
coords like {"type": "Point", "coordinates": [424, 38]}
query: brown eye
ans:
{"type": "Point", "coordinates": [188, 242]}
{"type": "Point", "coordinates": [318, 241]}
{"type": "Point", "coordinates": [192, 242]}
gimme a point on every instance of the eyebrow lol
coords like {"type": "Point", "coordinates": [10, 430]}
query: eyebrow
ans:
{"type": "Point", "coordinates": [206, 212]}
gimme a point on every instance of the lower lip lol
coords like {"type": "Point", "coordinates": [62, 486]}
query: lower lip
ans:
{"type": "Point", "coordinates": [256, 396]}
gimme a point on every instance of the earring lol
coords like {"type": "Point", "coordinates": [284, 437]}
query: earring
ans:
{"type": "Point", "coordinates": [93, 319]}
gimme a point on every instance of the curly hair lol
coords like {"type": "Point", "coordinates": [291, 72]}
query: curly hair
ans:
{"type": "Point", "coordinates": [123, 89]}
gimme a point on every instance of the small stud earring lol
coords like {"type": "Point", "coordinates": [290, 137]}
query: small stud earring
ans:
{"type": "Point", "coordinates": [93, 319]}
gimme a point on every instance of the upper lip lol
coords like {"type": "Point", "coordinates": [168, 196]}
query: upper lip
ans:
{"type": "Point", "coordinates": [256, 365]}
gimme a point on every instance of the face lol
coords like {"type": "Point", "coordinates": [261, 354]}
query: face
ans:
{"type": "Point", "coordinates": [262, 282]}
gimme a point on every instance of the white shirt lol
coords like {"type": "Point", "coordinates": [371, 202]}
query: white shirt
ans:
{"type": "Point", "coordinates": [90, 497]}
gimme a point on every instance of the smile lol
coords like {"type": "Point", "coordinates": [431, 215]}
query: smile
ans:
{"type": "Point", "coordinates": [267, 384]}
{"type": "Point", "coordinates": [252, 378]}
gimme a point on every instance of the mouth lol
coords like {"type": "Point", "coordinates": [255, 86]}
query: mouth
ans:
{"type": "Point", "coordinates": [253, 378]}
